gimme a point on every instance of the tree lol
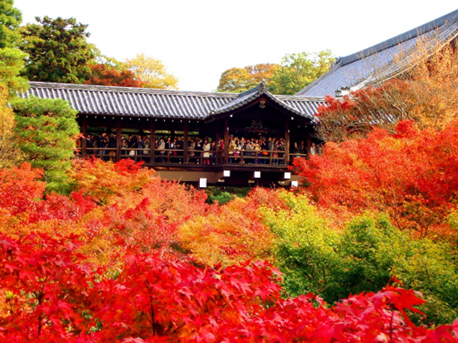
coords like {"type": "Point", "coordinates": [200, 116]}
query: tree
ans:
{"type": "Point", "coordinates": [361, 257]}
{"type": "Point", "coordinates": [58, 50]}
{"type": "Point", "coordinates": [304, 247]}
{"type": "Point", "coordinates": [299, 70]}
{"type": "Point", "coordinates": [11, 59]}
{"type": "Point", "coordinates": [238, 80]}
{"type": "Point", "coordinates": [46, 131]}
{"type": "Point", "coordinates": [410, 174]}
{"type": "Point", "coordinates": [427, 93]}
{"type": "Point", "coordinates": [106, 75]}
{"type": "Point", "coordinates": [11, 64]}
{"type": "Point", "coordinates": [233, 232]}
{"type": "Point", "coordinates": [152, 71]}
{"type": "Point", "coordinates": [50, 293]}
{"type": "Point", "coordinates": [10, 19]}
{"type": "Point", "coordinates": [9, 154]}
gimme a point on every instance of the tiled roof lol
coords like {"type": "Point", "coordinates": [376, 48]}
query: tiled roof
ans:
{"type": "Point", "coordinates": [382, 61]}
{"type": "Point", "coordinates": [158, 103]}
{"type": "Point", "coordinates": [293, 104]}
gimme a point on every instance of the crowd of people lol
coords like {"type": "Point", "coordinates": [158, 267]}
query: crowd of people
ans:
{"type": "Point", "coordinates": [167, 149]}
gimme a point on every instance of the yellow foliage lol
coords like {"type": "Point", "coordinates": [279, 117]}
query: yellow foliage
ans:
{"type": "Point", "coordinates": [234, 233]}
{"type": "Point", "coordinates": [152, 71]}
{"type": "Point", "coordinates": [9, 155]}
{"type": "Point", "coordinates": [102, 181]}
{"type": "Point", "coordinates": [434, 86]}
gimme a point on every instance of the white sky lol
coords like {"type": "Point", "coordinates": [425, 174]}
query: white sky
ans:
{"type": "Point", "coordinates": [199, 39]}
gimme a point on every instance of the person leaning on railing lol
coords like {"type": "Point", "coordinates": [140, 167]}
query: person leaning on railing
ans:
{"type": "Point", "coordinates": [123, 147]}
{"type": "Point", "coordinates": [103, 144]}
{"type": "Point", "coordinates": [206, 151]}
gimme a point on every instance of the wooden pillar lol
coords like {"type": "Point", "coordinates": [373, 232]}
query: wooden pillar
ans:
{"type": "Point", "coordinates": [84, 132]}
{"type": "Point", "coordinates": [308, 142]}
{"type": "Point", "coordinates": [218, 148]}
{"type": "Point", "coordinates": [118, 139]}
{"type": "Point", "coordinates": [287, 141]}
{"type": "Point", "coordinates": [185, 144]}
{"type": "Point", "coordinates": [226, 140]}
{"type": "Point", "coordinates": [152, 143]}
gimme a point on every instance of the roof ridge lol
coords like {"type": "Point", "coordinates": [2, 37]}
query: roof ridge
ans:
{"type": "Point", "coordinates": [55, 85]}
{"type": "Point", "coordinates": [299, 97]}
{"type": "Point", "coordinates": [418, 31]}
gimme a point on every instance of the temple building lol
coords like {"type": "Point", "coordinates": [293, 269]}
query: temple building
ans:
{"type": "Point", "coordinates": [193, 135]}
{"type": "Point", "coordinates": [231, 139]}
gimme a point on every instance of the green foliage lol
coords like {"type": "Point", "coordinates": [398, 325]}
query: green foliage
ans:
{"type": "Point", "coordinates": [58, 50]}
{"type": "Point", "coordinates": [299, 70]}
{"type": "Point", "coordinates": [368, 247]}
{"type": "Point", "coordinates": [431, 267]}
{"type": "Point", "coordinates": [226, 194]}
{"type": "Point", "coordinates": [46, 130]}
{"type": "Point", "coordinates": [10, 19]}
{"type": "Point", "coordinates": [376, 251]}
{"type": "Point", "coordinates": [305, 246]}
{"type": "Point", "coordinates": [364, 257]}
{"type": "Point", "coordinates": [11, 63]}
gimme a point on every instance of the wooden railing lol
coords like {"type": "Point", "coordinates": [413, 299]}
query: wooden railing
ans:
{"type": "Point", "coordinates": [193, 156]}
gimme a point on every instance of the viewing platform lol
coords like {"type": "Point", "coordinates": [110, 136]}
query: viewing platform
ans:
{"type": "Point", "coordinates": [224, 138]}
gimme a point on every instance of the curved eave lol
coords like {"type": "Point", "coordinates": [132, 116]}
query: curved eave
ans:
{"type": "Point", "coordinates": [251, 99]}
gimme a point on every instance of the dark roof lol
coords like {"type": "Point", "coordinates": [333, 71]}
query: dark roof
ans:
{"type": "Point", "coordinates": [159, 103]}
{"type": "Point", "coordinates": [382, 61]}
{"type": "Point", "coordinates": [293, 104]}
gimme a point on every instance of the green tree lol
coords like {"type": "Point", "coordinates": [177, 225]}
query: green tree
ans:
{"type": "Point", "coordinates": [58, 50]}
{"type": "Point", "coordinates": [374, 251]}
{"type": "Point", "coordinates": [364, 257]}
{"type": "Point", "coordinates": [46, 131]}
{"type": "Point", "coordinates": [299, 70]}
{"type": "Point", "coordinates": [152, 71]}
{"type": "Point", "coordinates": [10, 19]}
{"type": "Point", "coordinates": [305, 247]}
{"type": "Point", "coordinates": [11, 59]}
{"type": "Point", "coordinates": [11, 64]}
{"type": "Point", "coordinates": [238, 80]}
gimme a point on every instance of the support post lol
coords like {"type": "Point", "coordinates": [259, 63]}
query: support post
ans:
{"type": "Point", "coordinates": [185, 144]}
{"type": "Point", "coordinates": [152, 143]}
{"type": "Point", "coordinates": [308, 142]}
{"type": "Point", "coordinates": [84, 132]}
{"type": "Point", "coordinates": [287, 141]}
{"type": "Point", "coordinates": [118, 139]}
{"type": "Point", "coordinates": [226, 141]}
{"type": "Point", "coordinates": [218, 148]}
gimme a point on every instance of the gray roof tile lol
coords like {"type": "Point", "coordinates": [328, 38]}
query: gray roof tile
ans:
{"type": "Point", "coordinates": [381, 62]}
{"type": "Point", "coordinates": [158, 103]}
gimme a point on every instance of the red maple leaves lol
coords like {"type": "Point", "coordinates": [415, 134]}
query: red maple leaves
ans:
{"type": "Point", "coordinates": [411, 174]}
{"type": "Point", "coordinates": [51, 294]}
